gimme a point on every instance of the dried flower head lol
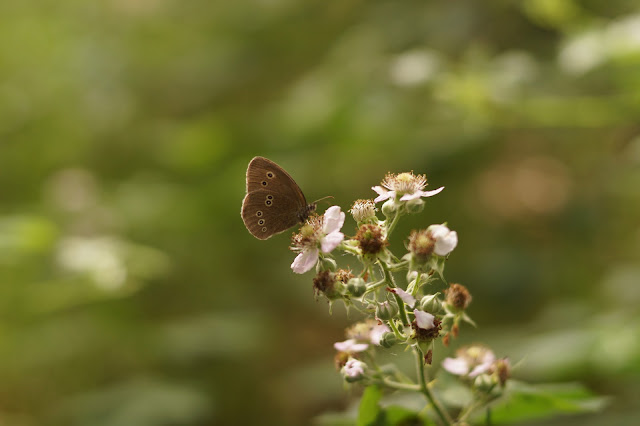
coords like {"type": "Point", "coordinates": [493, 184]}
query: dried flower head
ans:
{"type": "Point", "coordinates": [421, 244]}
{"type": "Point", "coordinates": [343, 275]}
{"type": "Point", "coordinates": [325, 283]}
{"type": "Point", "coordinates": [406, 185]}
{"type": "Point", "coordinates": [371, 239]}
{"type": "Point", "coordinates": [426, 326]}
{"type": "Point", "coordinates": [458, 296]}
{"type": "Point", "coordinates": [363, 210]}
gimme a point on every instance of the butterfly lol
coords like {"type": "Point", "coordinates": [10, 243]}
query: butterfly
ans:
{"type": "Point", "coordinates": [274, 201]}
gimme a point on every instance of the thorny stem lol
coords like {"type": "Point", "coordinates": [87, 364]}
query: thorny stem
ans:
{"type": "Point", "coordinates": [401, 386]}
{"type": "Point", "coordinates": [424, 388]}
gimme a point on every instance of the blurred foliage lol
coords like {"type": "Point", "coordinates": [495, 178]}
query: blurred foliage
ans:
{"type": "Point", "coordinates": [130, 292]}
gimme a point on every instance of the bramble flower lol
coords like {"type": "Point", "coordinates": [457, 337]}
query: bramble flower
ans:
{"type": "Point", "coordinates": [471, 361]}
{"type": "Point", "coordinates": [445, 239]}
{"type": "Point", "coordinates": [363, 210]}
{"type": "Point", "coordinates": [353, 370]}
{"type": "Point", "coordinates": [369, 330]}
{"type": "Point", "coordinates": [421, 244]}
{"type": "Point", "coordinates": [319, 233]}
{"type": "Point", "coordinates": [350, 346]}
{"type": "Point", "coordinates": [407, 186]}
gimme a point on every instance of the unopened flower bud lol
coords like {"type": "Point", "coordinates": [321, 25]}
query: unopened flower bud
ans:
{"type": "Point", "coordinates": [356, 287]}
{"type": "Point", "coordinates": [386, 310]}
{"type": "Point", "coordinates": [388, 339]}
{"type": "Point", "coordinates": [326, 263]}
{"type": "Point", "coordinates": [484, 383]}
{"type": "Point", "coordinates": [353, 370]}
{"type": "Point", "coordinates": [431, 303]}
{"type": "Point", "coordinates": [502, 370]}
{"type": "Point", "coordinates": [445, 239]}
{"type": "Point", "coordinates": [457, 296]}
{"type": "Point", "coordinates": [415, 206]}
{"type": "Point", "coordinates": [389, 208]}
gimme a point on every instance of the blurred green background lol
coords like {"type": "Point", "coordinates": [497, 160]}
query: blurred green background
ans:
{"type": "Point", "coordinates": [132, 294]}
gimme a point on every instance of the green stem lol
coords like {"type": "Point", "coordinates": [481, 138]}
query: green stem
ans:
{"type": "Point", "coordinates": [396, 331]}
{"type": "Point", "coordinates": [374, 286]}
{"type": "Point", "coordinates": [394, 221]}
{"type": "Point", "coordinates": [424, 388]}
{"type": "Point", "coordinates": [391, 282]}
{"type": "Point", "coordinates": [401, 386]}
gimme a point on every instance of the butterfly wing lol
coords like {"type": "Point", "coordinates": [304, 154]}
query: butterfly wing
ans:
{"type": "Point", "coordinates": [266, 213]}
{"type": "Point", "coordinates": [263, 173]}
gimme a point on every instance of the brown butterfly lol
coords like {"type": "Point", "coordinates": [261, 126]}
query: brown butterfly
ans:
{"type": "Point", "coordinates": [274, 201]}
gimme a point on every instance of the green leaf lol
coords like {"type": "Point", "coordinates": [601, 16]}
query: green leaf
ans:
{"type": "Point", "coordinates": [369, 412]}
{"type": "Point", "coordinates": [527, 402]}
{"type": "Point", "coordinates": [400, 416]}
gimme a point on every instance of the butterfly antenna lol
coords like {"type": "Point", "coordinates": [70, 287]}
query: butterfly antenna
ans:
{"type": "Point", "coordinates": [322, 199]}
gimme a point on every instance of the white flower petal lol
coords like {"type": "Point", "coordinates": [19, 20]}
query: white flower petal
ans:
{"type": "Point", "coordinates": [376, 333]}
{"type": "Point", "coordinates": [333, 220]}
{"type": "Point", "coordinates": [305, 260]}
{"type": "Point", "coordinates": [331, 241]}
{"type": "Point", "coordinates": [350, 346]}
{"type": "Point", "coordinates": [384, 194]}
{"type": "Point", "coordinates": [424, 319]}
{"type": "Point", "coordinates": [445, 245]}
{"type": "Point", "coordinates": [409, 197]}
{"type": "Point", "coordinates": [456, 366]}
{"type": "Point", "coordinates": [431, 193]}
{"type": "Point", "coordinates": [406, 297]}
{"type": "Point", "coordinates": [479, 369]}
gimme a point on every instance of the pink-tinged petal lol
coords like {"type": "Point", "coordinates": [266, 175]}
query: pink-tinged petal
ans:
{"type": "Point", "coordinates": [376, 333]}
{"type": "Point", "coordinates": [331, 241]}
{"type": "Point", "coordinates": [305, 260]}
{"type": "Point", "coordinates": [408, 197]}
{"type": "Point", "coordinates": [424, 319]}
{"type": "Point", "coordinates": [380, 190]}
{"type": "Point", "coordinates": [354, 368]}
{"type": "Point", "coordinates": [406, 297]}
{"type": "Point", "coordinates": [431, 193]}
{"type": "Point", "coordinates": [488, 357]}
{"type": "Point", "coordinates": [383, 194]}
{"type": "Point", "coordinates": [333, 220]}
{"type": "Point", "coordinates": [457, 366]}
{"type": "Point", "coordinates": [479, 369]}
{"type": "Point", "coordinates": [350, 346]}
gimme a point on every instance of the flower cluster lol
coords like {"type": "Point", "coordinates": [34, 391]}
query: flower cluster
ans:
{"type": "Point", "coordinates": [416, 315]}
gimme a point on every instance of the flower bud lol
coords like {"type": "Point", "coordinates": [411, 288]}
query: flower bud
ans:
{"type": "Point", "coordinates": [326, 263]}
{"type": "Point", "coordinates": [389, 208]}
{"type": "Point", "coordinates": [484, 383]}
{"type": "Point", "coordinates": [353, 370]}
{"type": "Point", "coordinates": [415, 206]}
{"type": "Point", "coordinates": [386, 310]}
{"type": "Point", "coordinates": [356, 287]}
{"type": "Point", "coordinates": [388, 339]}
{"type": "Point", "coordinates": [431, 303]}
